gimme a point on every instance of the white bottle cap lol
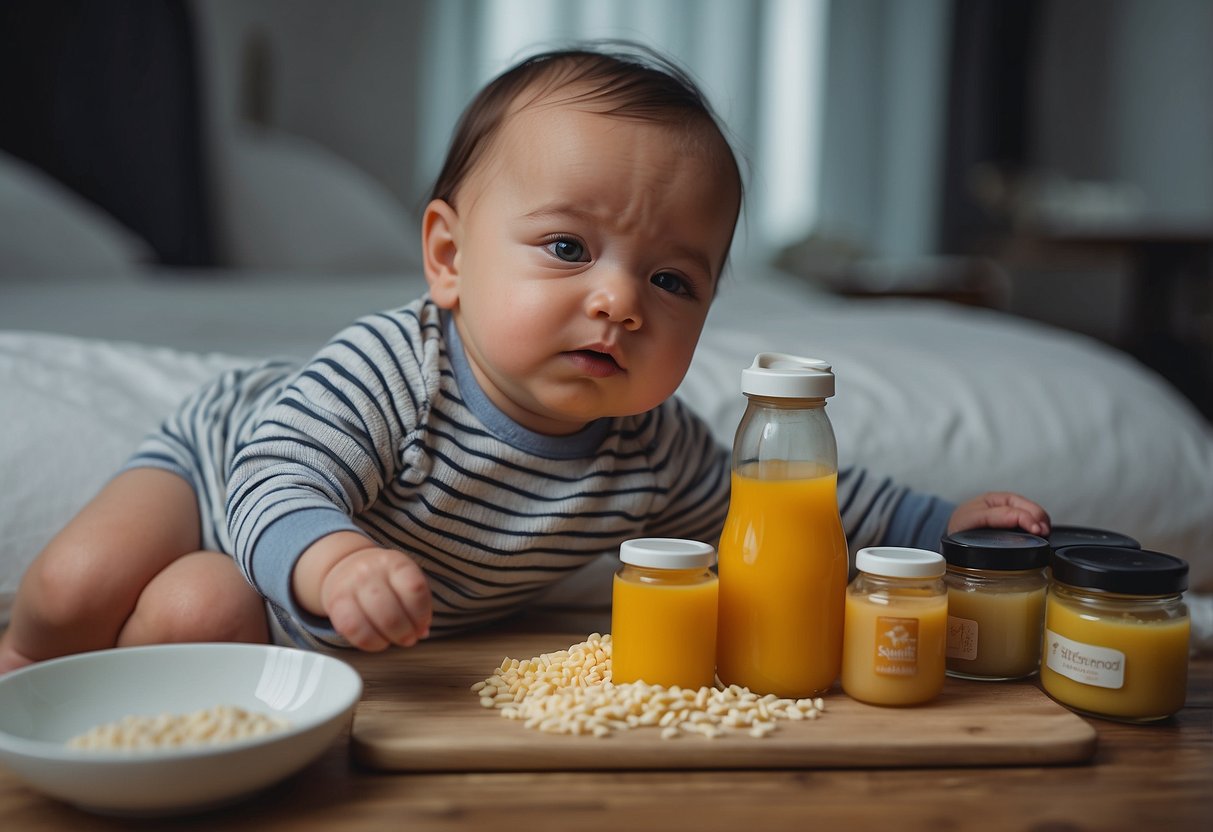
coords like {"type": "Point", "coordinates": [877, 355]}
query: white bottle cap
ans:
{"type": "Point", "coordinates": [667, 553]}
{"type": "Point", "coordinates": [786, 376]}
{"type": "Point", "coordinates": [899, 562]}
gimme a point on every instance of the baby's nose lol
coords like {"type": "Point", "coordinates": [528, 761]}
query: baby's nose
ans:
{"type": "Point", "coordinates": [616, 298]}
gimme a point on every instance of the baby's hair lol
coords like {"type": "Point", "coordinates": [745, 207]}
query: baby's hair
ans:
{"type": "Point", "coordinates": [617, 78]}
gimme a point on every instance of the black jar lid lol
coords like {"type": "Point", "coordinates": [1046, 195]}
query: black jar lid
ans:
{"type": "Point", "coordinates": [1062, 536]}
{"type": "Point", "coordinates": [1004, 550]}
{"type": "Point", "coordinates": [1120, 570]}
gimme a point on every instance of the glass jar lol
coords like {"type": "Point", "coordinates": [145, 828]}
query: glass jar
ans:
{"type": "Point", "coordinates": [783, 554]}
{"type": "Point", "coordinates": [1116, 633]}
{"type": "Point", "coordinates": [996, 583]}
{"type": "Point", "coordinates": [663, 613]}
{"type": "Point", "coordinates": [1062, 536]}
{"type": "Point", "coordinates": [896, 627]}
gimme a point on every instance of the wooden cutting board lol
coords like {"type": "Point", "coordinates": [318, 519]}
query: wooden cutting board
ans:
{"type": "Point", "coordinates": [418, 714]}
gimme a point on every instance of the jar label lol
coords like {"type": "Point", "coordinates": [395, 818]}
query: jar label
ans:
{"type": "Point", "coordinates": [962, 638]}
{"type": "Point", "coordinates": [1087, 664]}
{"type": "Point", "coordinates": [896, 651]}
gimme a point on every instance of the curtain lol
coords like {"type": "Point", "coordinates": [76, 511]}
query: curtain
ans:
{"type": "Point", "coordinates": [758, 61]}
{"type": "Point", "coordinates": [835, 106]}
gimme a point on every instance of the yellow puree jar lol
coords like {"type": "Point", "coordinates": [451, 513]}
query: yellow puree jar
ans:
{"type": "Point", "coordinates": [1116, 633]}
{"type": "Point", "coordinates": [895, 627]}
{"type": "Point", "coordinates": [996, 602]}
{"type": "Point", "coordinates": [663, 613]}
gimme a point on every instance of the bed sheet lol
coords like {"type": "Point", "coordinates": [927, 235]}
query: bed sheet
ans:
{"type": "Point", "coordinates": [947, 399]}
{"type": "Point", "coordinates": [956, 400]}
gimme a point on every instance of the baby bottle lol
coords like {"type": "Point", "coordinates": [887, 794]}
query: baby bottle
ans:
{"type": "Point", "coordinates": [783, 554]}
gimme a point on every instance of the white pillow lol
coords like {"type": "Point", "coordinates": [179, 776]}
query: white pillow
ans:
{"type": "Point", "coordinates": [48, 230]}
{"type": "Point", "coordinates": [288, 203]}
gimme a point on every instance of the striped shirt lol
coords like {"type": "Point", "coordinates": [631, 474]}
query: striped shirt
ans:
{"type": "Point", "coordinates": [385, 431]}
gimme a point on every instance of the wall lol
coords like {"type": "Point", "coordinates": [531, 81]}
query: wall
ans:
{"type": "Point", "coordinates": [1122, 145]}
{"type": "Point", "coordinates": [348, 81]}
{"type": "Point", "coordinates": [1125, 95]}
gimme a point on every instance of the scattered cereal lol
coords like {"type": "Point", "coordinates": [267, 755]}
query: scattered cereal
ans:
{"type": "Point", "coordinates": [571, 692]}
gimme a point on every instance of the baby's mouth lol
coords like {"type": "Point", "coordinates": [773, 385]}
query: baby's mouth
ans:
{"type": "Point", "coordinates": [595, 363]}
{"type": "Point", "coordinates": [600, 356]}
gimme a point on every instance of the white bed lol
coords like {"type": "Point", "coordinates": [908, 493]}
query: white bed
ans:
{"type": "Point", "coordinates": [96, 347]}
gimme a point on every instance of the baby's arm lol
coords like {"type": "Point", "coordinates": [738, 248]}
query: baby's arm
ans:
{"type": "Point", "coordinates": [920, 520]}
{"type": "Point", "coordinates": [317, 458]}
{"type": "Point", "coordinates": [1000, 510]}
{"type": "Point", "coordinates": [374, 597]}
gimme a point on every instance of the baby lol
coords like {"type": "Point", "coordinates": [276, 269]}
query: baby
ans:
{"type": "Point", "coordinates": [439, 465]}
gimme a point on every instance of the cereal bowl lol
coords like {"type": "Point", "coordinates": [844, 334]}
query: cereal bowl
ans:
{"type": "Point", "coordinates": [45, 705]}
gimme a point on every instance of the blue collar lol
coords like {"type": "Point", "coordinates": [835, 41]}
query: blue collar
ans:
{"type": "Point", "coordinates": [577, 445]}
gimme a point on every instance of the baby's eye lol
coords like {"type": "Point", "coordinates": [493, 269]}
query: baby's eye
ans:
{"type": "Point", "coordinates": [568, 249]}
{"type": "Point", "coordinates": [671, 282]}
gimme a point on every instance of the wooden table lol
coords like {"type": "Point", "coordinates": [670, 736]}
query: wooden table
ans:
{"type": "Point", "coordinates": [1142, 778]}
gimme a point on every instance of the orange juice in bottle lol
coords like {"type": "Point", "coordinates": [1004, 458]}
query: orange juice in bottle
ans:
{"type": "Point", "coordinates": [783, 554]}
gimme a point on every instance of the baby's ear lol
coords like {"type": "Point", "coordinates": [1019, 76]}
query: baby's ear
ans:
{"type": "Point", "coordinates": [440, 236]}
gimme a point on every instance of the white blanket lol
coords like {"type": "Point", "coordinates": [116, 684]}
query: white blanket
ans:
{"type": "Point", "coordinates": [947, 399]}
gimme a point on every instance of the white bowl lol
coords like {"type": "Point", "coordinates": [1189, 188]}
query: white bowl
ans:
{"type": "Point", "coordinates": [44, 705]}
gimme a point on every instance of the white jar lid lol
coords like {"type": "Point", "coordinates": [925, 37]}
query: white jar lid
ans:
{"type": "Point", "coordinates": [900, 562]}
{"type": "Point", "coordinates": [667, 553]}
{"type": "Point", "coordinates": [784, 376]}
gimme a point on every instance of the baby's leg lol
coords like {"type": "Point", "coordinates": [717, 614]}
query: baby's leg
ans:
{"type": "Point", "coordinates": [80, 591]}
{"type": "Point", "coordinates": [199, 597]}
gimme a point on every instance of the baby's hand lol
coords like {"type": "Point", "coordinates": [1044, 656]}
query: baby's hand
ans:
{"type": "Point", "coordinates": [376, 598]}
{"type": "Point", "coordinates": [1000, 510]}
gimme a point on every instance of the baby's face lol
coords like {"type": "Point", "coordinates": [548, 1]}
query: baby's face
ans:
{"type": "Point", "coordinates": [589, 252]}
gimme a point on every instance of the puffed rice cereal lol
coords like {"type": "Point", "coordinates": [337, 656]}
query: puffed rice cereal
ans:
{"type": "Point", "coordinates": [571, 692]}
{"type": "Point", "coordinates": [210, 726]}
